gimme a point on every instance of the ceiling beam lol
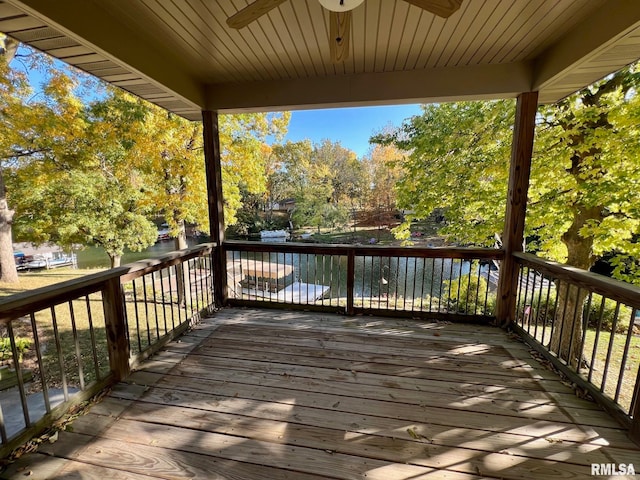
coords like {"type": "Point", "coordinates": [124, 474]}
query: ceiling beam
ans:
{"type": "Point", "coordinates": [591, 37]}
{"type": "Point", "coordinates": [418, 86]}
{"type": "Point", "coordinates": [78, 20]}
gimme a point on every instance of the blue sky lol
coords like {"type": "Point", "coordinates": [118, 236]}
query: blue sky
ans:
{"type": "Point", "coordinates": [352, 127]}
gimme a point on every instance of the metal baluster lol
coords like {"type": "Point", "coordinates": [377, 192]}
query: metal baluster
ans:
{"type": "Point", "coordinates": [155, 304]}
{"type": "Point", "coordinates": [596, 340]}
{"type": "Point", "coordinates": [433, 281]}
{"type": "Point", "coordinates": [63, 374]}
{"type": "Point", "coordinates": [585, 324]}
{"type": "Point", "coordinates": [43, 380]}
{"type": "Point", "coordinates": [573, 328]}
{"type": "Point", "coordinates": [625, 353]}
{"type": "Point", "coordinates": [92, 333]}
{"type": "Point", "coordinates": [19, 377]}
{"type": "Point", "coordinates": [77, 344]}
{"type": "Point", "coordinates": [610, 347]}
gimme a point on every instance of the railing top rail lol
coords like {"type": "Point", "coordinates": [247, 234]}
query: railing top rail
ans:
{"type": "Point", "coordinates": [609, 287]}
{"type": "Point", "coordinates": [20, 304]}
{"type": "Point", "coordinates": [142, 267]}
{"type": "Point", "coordinates": [374, 250]}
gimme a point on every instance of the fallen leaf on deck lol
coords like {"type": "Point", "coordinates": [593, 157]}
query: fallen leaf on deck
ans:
{"type": "Point", "coordinates": [413, 434]}
{"type": "Point", "coordinates": [553, 440]}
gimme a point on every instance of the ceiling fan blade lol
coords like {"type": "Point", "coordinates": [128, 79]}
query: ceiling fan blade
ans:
{"type": "Point", "coordinates": [442, 8]}
{"type": "Point", "coordinates": [252, 12]}
{"type": "Point", "coordinates": [339, 32]}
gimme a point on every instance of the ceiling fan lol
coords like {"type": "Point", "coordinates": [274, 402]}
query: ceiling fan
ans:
{"type": "Point", "coordinates": [339, 18]}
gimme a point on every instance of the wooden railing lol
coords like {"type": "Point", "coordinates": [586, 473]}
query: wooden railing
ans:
{"type": "Point", "coordinates": [588, 326]}
{"type": "Point", "coordinates": [64, 343]}
{"type": "Point", "coordinates": [441, 283]}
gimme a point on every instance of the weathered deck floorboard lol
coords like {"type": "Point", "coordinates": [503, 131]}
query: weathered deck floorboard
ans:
{"type": "Point", "coordinates": [264, 394]}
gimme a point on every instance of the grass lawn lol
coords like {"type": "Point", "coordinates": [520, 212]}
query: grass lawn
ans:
{"type": "Point", "coordinates": [361, 235]}
{"type": "Point", "coordinates": [77, 332]}
{"type": "Point", "coordinates": [72, 336]}
{"type": "Point", "coordinates": [614, 369]}
{"type": "Point", "coordinates": [43, 278]}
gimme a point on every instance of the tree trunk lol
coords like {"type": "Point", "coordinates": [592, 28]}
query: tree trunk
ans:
{"type": "Point", "coordinates": [180, 241]}
{"type": "Point", "coordinates": [8, 270]}
{"type": "Point", "coordinates": [586, 164]}
{"type": "Point", "coordinates": [115, 260]}
{"type": "Point", "coordinates": [182, 269]}
{"type": "Point", "coordinates": [566, 339]}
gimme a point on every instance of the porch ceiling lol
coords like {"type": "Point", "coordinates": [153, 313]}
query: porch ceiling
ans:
{"type": "Point", "coordinates": [181, 55]}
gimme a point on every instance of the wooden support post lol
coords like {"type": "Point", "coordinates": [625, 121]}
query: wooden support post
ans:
{"type": "Point", "coordinates": [519, 172]}
{"type": "Point", "coordinates": [116, 329]}
{"type": "Point", "coordinates": [216, 206]}
{"type": "Point", "coordinates": [634, 410]}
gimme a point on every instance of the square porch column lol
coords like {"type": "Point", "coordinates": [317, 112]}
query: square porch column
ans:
{"type": "Point", "coordinates": [216, 205]}
{"type": "Point", "coordinates": [519, 174]}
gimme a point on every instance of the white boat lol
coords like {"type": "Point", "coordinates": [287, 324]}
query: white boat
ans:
{"type": "Point", "coordinates": [163, 234]}
{"type": "Point", "coordinates": [50, 260]}
{"type": "Point", "coordinates": [255, 279]}
{"type": "Point", "coordinates": [274, 234]}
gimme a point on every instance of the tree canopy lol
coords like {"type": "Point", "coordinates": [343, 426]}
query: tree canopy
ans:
{"type": "Point", "coordinates": [325, 180]}
{"type": "Point", "coordinates": [583, 178]}
{"type": "Point", "coordinates": [96, 169]}
{"type": "Point", "coordinates": [583, 188]}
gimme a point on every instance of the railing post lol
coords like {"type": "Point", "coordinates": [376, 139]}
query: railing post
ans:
{"type": "Point", "coordinates": [116, 328]}
{"type": "Point", "coordinates": [519, 171]}
{"type": "Point", "coordinates": [351, 280]}
{"type": "Point", "coordinates": [634, 410]}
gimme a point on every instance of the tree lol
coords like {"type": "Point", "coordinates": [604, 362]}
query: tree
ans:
{"type": "Point", "coordinates": [383, 172]}
{"type": "Point", "coordinates": [344, 172]}
{"type": "Point", "coordinates": [246, 155]}
{"type": "Point", "coordinates": [584, 170]}
{"type": "Point", "coordinates": [174, 156]}
{"type": "Point", "coordinates": [290, 173]}
{"type": "Point", "coordinates": [589, 144]}
{"type": "Point", "coordinates": [456, 157]}
{"type": "Point", "coordinates": [83, 186]}
{"type": "Point", "coordinates": [321, 178]}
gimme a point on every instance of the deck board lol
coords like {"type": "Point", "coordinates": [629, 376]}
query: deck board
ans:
{"type": "Point", "coordinates": [262, 394]}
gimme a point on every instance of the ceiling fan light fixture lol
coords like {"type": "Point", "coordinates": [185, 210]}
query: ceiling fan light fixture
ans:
{"type": "Point", "coordinates": [340, 5]}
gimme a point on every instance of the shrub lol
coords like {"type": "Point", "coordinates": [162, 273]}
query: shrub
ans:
{"type": "Point", "coordinates": [22, 345]}
{"type": "Point", "coordinates": [608, 314]}
{"type": "Point", "coordinates": [544, 311]}
{"type": "Point", "coordinates": [468, 296]}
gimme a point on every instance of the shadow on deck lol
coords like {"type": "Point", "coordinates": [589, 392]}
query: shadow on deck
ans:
{"type": "Point", "coordinates": [260, 394]}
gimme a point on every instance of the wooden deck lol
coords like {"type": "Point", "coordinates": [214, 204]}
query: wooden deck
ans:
{"type": "Point", "coordinates": [267, 394]}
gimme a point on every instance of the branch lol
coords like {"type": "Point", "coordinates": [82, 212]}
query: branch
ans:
{"type": "Point", "coordinates": [550, 194]}
{"type": "Point", "coordinates": [24, 153]}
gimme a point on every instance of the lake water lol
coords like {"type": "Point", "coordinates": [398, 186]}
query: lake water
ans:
{"type": "Point", "coordinates": [96, 257]}
{"type": "Point", "coordinates": [374, 276]}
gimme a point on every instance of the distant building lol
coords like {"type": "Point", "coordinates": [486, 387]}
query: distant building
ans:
{"type": "Point", "coordinates": [285, 205]}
